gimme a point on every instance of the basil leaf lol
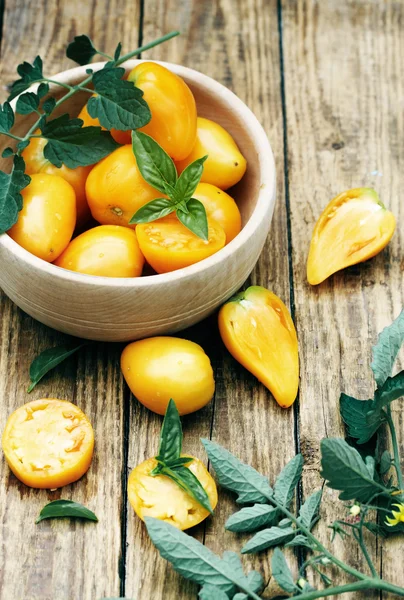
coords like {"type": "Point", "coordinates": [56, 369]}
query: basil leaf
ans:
{"type": "Point", "coordinates": [287, 481]}
{"type": "Point", "coordinates": [195, 218]}
{"type": "Point", "coordinates": [343, 469]}
{"type": "Point", "coordinates": [178, 462]}
{"type": "Point", "coordinates": [49, 106]}
{"type": "Point", "coordinates": [309, 510]}
{"type": "Point", "coordinates": [189, 179]}
{"type": "Point", "coordinates": [190, 558]}
{"type": "Point", "coordinates": [211, 592]}
{"type": "Point", "coordinates": [187, 481]}
{"type": "Point", "coordinates": [155, 166]}
{"type": "Point", "coordinates": [73, 145]}
{"type": "Point", "coordinates": [65, 508]}
{"type": "Point", "coordinates": [42, 90]}
{"type": "Point", "coordinates": [81, 50]}
{"type": "Point", "coordinates": [252, 518]}
{"type": "Point", "coordinates": [282, 573]}
{"type": "Point", "coordinates": [156, 209]}
{"type": "Point", "coordinates": [170, 435]}
{"type": "Point", "coordinates": [353, 413]}
{"type": "Point", "coordinates": [11, 185]}
{"type": "Point", "coordinates": [29, 74]}
{"type": "Point", "coordinates": [6, 118]}
{"type": "Point", "coordinates": [49, 359]}
{"type": "Point", "coordinates": [300, 540]}
{"type": "Point", "coordinates": [236, 476]}
{"type": "Point", "coordinates": [118, 104]}
{"type": "Point", "coordinates": [27, 103]}
{"type": "Point", "coordinates": [267, 538]}
{"type": "Point", "coordinates": [385, 351]}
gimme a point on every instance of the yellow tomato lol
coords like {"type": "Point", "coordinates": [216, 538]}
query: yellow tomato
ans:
{"type": "Point", "coordinates": [259, 333]}
{"type": "Point", "coordinates": [46, 223]}
{"type": "Point", "coordinates": [116, 190]}
{"type": "Point", "coordinates": [35, 162]}
{"type": "Point", "coordinates": [107, 251]}
{"type": "Point", "coordinates": [157, 369]}
{"type": "Point", "coordinates": [172, 105]}
{"type": "Point", "coordinates": [168, 245]}
{"type": "Point", "coordinates": [48, 443]}
{"type": "Point", "coordinates": [122, 137]}
{"type": "Point", "coordinates": [161, 498]}
{"type": "Point", "coordinates": [225, 165]}
{"type": "Point", "coordinates": [221, 207]}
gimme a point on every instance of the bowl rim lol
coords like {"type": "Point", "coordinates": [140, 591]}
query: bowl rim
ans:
{"type": "Point", "coordinates": [265, 200]}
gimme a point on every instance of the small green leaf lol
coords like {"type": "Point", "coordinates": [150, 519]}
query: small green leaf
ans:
{"type": "Point", "coordinates": [236, 476]}
{"type": "Point", "coordinates": [27, 103]}
{"type": "Point", "coordinates": [300, 540]}
{"type": "Point", "coordinates": [287, 481]}
{"type": "Point", "coordinates": [353, 413]}
{"type": "Point", "coordinates": [385, 462]}
{"type": "Point", "coordinates": [187, 481]}
{"type": "Point", "coordinates": [49, 359]}
{"type": "Point", "coordinates": [65, 508]}
{"type": "Point", "coordinates": [252, 518]}
{"type": "Point", "coordinates": [22, 145]}
{"type": "Point", "coordinates": [49, 106]}
{"type": "Point", "coordinates": [155, 166]}
{"type": "Point", "coordinates": [211, 592]}
{"type": "Point", "coordinates": [281, 572]}
{"type": "Point", "coordinates": [117, 52]}
{"type": "Point", "coordinates": [375, 529]}
{"type": "Point", "coordinates": [170, 435]}
{"type": "Point", "coordinates": [6, 118]}
{"type": "Point", "coordinates": [73, 145]}
{"type": "Point", "coordinates": [284, 523]}
{"type": "Point", "coordinates": [189, 179]}
{"type": "Point", "coordinates": [253, 580]}
{"type": "Point", "coordinates": [344, 469]}
{"type": "Point", "coordinates": [11, 185]}
{"type": "Point", "coordinates": [7, 152]}
{"type": "Point", "coordinates": [386, 349]}
{"type": "Point", "coordinates": [195, 218]}
{"type": "Point", "coordinates": [156, 209]}
{"type": "Point", "coordinates": [42, 90]}
{"type": "Point", "coordinates": [268, 538]}
{"type": "Point", "coordinates": [118, 104]}
{"type": "Point", "coordinates": [29, 74]}
{"type": "Point", "coordinates": [81, 50]}
{"type": "Point", "coordinates": [309, 510]}
{"type": "Point", "coordinates": [179, 462]}
{"type": "Point", "coordinates": [392, 389]}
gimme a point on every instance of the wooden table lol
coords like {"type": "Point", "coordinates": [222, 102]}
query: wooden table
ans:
{"type": "Point", "coordinates": [326, 79]}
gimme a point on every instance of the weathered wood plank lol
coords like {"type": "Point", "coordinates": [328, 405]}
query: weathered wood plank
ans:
{"type": "Point", "coordinates": [237, 44]}
{"type": "Point", "coordinates": [62, 559]}
{"type": "Point", "coordinates": [344, 84]}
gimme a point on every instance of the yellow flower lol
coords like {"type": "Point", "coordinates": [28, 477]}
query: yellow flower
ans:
{"type": "Point", "coordinates": [398, 516]}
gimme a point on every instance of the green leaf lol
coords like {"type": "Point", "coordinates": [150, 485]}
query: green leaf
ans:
{"type": "Point", "coordinates": [281, 572]}
{"type": "Point", "coordinates": [81, 50]}
{"type": "Point", "coordinates": [189, 179]}
{"type": "Point", "coordinates": [178, 462]}
{"type": "Point", "coordinates": [195, 218]}
{"type": "Point", "coordinates": [386, 349]}
{"type": "Point", "coordinates": [73, 145]}
{"type": "Point", "coordinates": [49, 106]}
{"type": "Point", "coordinates": [42, 90]}
{"type": "Point", "coordinates": [353, 413]}
{"type": "Point", "coordinates": [49, 359]}
{"type": "Point", "coordinates": [27, 103]}
{"type": "Point", "coordinates": [392, 389]}
{"type": "Point", "coordinates": [252, 518]}
{"type": "Point", "coordinates": [375, 529]}
{"type": "Point", "coordinates": [11, 185]}
{"type": "Point", "coordinates": [300, 540]}
{"type": "Point", "coordinates": [118, 104]}
{"type": "Point", "coordinates": [236, 476]}
{"type": "Point", "coordinates": [385, 462]}
{"type": "Point", "coordinates": [155, 166]}
{"type": "Point", "coordinates": [170, 435]}
{"type": "Point", "coordinates": [190, 558]}
{"type": "Point", "coordinates": [309, 510]}
{"type": "Point", "coordinates": [287, 481]}
{"type": "Point", "coordinates": [284, 523]}
{"type": "Point", "coordinates": [6, 118]}
{"type": "Point", "coordinates": [156, 209]}
{"type": "Point", "coordinates": [65, 508]}
{"type": "Point", "coordinates": [267, 538]}
{"type": "Point", "coordinates": [117, 52]}
{"type": "Point", "coordinates": [22, 145]}
{"type": "Point", "coordinates": [29, 74]}
{"type": "Point", "coordinates": [187, 481]}
{"type": "Point", "coordinates": [253, 580]}
{"type": "Point", "coordinates": [344, 469]}
{"type": "Point", "coordinates": [7, 152]}
{"type": "Point", "coordinates": [211, 592]}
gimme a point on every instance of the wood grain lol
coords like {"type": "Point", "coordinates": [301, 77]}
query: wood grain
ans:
{"type": "Point", "coordinates": [344, 130]}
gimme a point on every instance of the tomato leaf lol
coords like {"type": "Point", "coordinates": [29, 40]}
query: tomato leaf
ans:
{"type": "Point", "coordinates": [353, 413]}
{"type": "Point", "coordinates": [252, 518]}
{"type": "Point", "coordinates": [287, 481]}
{"type": "Point", "coordinates": [282, 573]}
{"type": "Point", "coordinates": [170, 436]}
{"type": "Point", "coordinates": [386, 349]}
{"type": "Point", "coordinates": [7, 152]}
{"type": "Point", "coordinates": [29, 74]}
{"type": "Point", "coordinates": [268, 538]}
{"type": "Point", "coordinates": [27, 103]}
{"type": "Point", "coordinates": [81, 50]}
{"type": "Point", "coordinates": [42, 90]}
{"type": "Point", "coordinates": [6, 117]}
{"type": "Point", "coordinates": [195, 218]}
{"type": "Point", "coordinates": [189, 179]}
{"type": "Point", "coordinates": [392, 389]}
{"type": "Point", "coordinates": [72, 144]}
{"type": "Point", "coordinates": [309, 510]}
{"type": "Point", "coordinates": [117, 52]}
{"type": "Point", "coordinates": [155, 166]}
{"type": "Point", "coordinates": [211, 592]}
{"type": "Point", "coordinates": [11, 185]}
{"type": "Point", "coordinates": [187, 481]}
{"type": "Point", "coordinates": [49, 359]}
{"type": "Point", "coordinates": [65, 508]}
{"type": "Point", "coordinates": [49, 105]}
{"type": "Point", "coordinates": [156, 209]}
{"type": "Point", "coordinates": [118, 104]}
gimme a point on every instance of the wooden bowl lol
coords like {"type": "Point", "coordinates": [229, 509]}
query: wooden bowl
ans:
{"type": "Point", "coordinates": [109, 309]}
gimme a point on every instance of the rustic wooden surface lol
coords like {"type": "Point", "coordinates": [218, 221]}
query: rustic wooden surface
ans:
{"type": "Point", "coordinates": [326, 81]}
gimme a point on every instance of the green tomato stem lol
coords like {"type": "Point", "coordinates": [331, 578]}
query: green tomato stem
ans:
{"type": "Point", "coordinates": [148, 46]}
{"type": "Point", "coordinates": [362, 543]}
{"type": "Point", "coordinates": [11, 135]}
{"type": "Point", "coordinates": [366, 584]}
{"type": "Point", "coordinates": [396, 453]}
{"type": "Point", "coordinates": [63, 85]}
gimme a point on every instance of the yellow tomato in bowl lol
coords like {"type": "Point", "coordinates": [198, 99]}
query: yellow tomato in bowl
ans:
{"type": "Point", "coordinates": [220, 207]}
